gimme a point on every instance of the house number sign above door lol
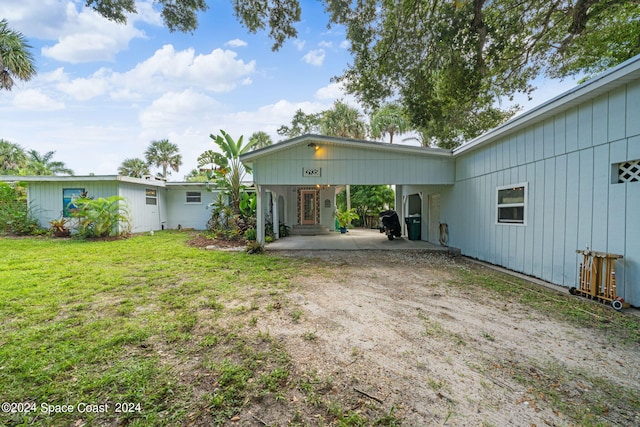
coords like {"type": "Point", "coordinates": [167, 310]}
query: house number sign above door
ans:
{"type": "Point", "coordinates": [311, 171]}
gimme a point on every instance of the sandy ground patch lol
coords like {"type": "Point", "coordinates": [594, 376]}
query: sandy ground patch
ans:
{"type": "Point", "coordinates": [391, 327]}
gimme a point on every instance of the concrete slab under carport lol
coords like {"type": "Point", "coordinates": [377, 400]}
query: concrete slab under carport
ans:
{"type": "Point", "coordinates": [354, 240]}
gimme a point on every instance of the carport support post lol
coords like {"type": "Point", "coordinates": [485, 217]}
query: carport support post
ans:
{"type": "Point", "coordinates": [260, 197]}
{"type": "Point", "coordinates": [276, 220]}
{"type": "Point", "coordinates": [400, 205]}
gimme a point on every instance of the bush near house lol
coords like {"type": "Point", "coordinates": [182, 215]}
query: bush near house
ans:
{"type": "Point", "coordinates": [15, 215]}
{"type": "Point", "coordinates": [102, 217]}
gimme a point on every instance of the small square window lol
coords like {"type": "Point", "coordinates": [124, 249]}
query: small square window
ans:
{"type": "Point", "coordinates": [629, 171]}
{"type": "Point", "coordinates": [511, 204]}
{"type": "Point", "coordinates": [194, 197]}
{"type": "Point", "coordinates": [152, 196]}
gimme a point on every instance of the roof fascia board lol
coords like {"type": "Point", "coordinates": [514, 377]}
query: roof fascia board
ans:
{"type": "Point", "coordinates": [87, 178]}
{"type": "Point", "coordinates": [356, 143]}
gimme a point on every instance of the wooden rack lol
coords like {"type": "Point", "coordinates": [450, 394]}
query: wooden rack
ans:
{"type": "Point", "coordinates": [598, 278]}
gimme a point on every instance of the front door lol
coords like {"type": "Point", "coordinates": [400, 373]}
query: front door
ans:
{"type": "Point", "coordinates": [308, 214]}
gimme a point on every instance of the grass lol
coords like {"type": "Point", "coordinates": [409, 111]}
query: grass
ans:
{"type": "Point", "coordinates": [107, 322]}
{"type": "Point", "coordinates": [171, 331]}
{"type": "Point", "coordinates": [574, 310]}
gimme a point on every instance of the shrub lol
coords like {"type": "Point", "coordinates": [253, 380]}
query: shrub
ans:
{"type": "Point", "coordinates": [250, 234]}
{"type": "Point", "coordinates": [15, 215]}
{"type": "Point", "coordinates": [102, 217]}
{"type": "Point", "coordinates": [254, 247]}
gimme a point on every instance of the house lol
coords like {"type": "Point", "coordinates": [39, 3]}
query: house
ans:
{"type": "Point", "coordinates": [153, 203]}
{"type": "Point", "coordinates": [525, 195]}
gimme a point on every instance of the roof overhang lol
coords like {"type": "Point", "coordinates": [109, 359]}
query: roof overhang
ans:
{"type": "Point", "coordinates": [83, 178]}
{"type": "Point", "coordinates": [310, 139]}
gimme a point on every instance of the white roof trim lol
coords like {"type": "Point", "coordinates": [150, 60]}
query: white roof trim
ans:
{"type": "Point", "coordinates": [85, 178]}
{"type": "Point", "coordinates": [358, 143]}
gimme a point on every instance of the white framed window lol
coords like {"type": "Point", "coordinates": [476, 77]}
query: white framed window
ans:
{"type": "Point", "coordinates": [151, 196]}
{"type": "Point", "coordinates": [194, 197]}
{"type": "Point", "coordinates": [511, 204]}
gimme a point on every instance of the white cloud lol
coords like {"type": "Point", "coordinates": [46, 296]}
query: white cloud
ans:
{"type": "Point", "coordinates": [84, 89]}
{"type": "Point", "coordinates": [167, 69]}
{"type": "Point", "coordinates": [81, 34]}
{"type": "Point", "coordinates": [331, 91]}
{"type": "Point", "coordinates": [345, 44]}
{"type": "Point", "coordinates": [325, 44]}
{"type": "Point", "coordinates": [236, 43]}
{"type": "Point", "coordinates": [35, 100]}
{"type": "Point", "coordinates": [299, 44]}
{"type": "Point", "coordinates": [174, 109]}
{"type": "Point", "coordinates": [314, 57]}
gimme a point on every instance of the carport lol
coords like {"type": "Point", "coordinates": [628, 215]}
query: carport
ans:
{"type": "Point", "coordinates": [297, 180]}
{"type": "Point", "coordinates": [355, 239]}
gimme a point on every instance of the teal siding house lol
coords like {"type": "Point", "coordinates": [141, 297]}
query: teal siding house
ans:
{"type": "Point", "coordinates": [561, 177]}
{"type": "Point", "coordinates": [153, 204]}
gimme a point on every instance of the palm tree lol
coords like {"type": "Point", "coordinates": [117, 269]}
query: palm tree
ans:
{"type": "Point", "coordinates": [163, 154]}
{"type": "Point", "coordinates": [260, 140]}
{"type": "Point", "coordinates": [389, 120]}
{"type": "Point", "coordinates": [343, 121]}
{"type": "Point", "coordinates": [16, 61]}
{"type": "Point", "coordinates": [12, 158]}
{"type": "Point", "coordinates": [41, 164]}
{"type": "Point", "coordinates": [134, 167]}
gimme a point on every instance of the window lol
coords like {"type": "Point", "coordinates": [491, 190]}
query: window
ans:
{"type": "Point", "coordinates": [68, 196]}
{"type": "Point", "coordinates": [512, 204]}
{"type": "Point", "coordinates": [628, 172]}
{"type": "Point", "coordinates": [152, 196]}
{"type": "Point", "coordinates": [194, 197]}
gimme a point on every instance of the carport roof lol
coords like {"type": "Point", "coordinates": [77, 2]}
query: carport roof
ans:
{"type": "Point", "coordinates": [248, 158]}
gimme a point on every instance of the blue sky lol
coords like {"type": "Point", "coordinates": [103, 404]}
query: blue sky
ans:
{"type": "Point", "coordinates": [104, 91]}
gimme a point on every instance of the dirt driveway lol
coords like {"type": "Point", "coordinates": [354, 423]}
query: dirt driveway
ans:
{"type": "Point", "coordinates": [407, 332]}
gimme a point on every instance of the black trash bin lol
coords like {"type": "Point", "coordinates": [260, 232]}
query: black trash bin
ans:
{"type": "Point", "coordinates": [413, 227]}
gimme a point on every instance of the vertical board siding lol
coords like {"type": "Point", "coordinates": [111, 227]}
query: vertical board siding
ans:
{"type": "Point", "coordinates": [560, 135]}
{"type": "Point", "coordinates": [617, 116]}
{"type": "Point", "coordinates": [633, 109]}
{"type": "Point", "coordinates": [351, 165]}
{"type": "Point", "coordinates": [559, 218]}
{"type": "Point", "coordinates": [632, 244]}
{"type": "Point", "coordinates": [45, 198]}
{"type": "Point", "coordinates": [143, 217]}
{"type": "Point", "coordinates": [585, 200]}
{"type": "Point", "coordinates": [548, 222]}
{"type": "Point", "coordinates": [600, 123]}
{"type": "Point", "coordinates": [600, 185]}
{"type": "Point", "coordinates": [571, 125]}
{"type": "Point", "coordinates": [571, 219]}
{"type": "Point", "coordinates": [569, 163]}
{"type": "Point", "coordinates": [585, 125]}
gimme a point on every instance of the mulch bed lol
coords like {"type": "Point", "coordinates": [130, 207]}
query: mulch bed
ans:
{"type": "Point", "coordinates": [204, 241]}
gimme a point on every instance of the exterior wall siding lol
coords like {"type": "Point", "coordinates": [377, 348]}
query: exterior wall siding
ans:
{"type": "Point", "coordinates": [45, 199]}
{"type": "Point", "coordinates": [144, 217]}
{"type": "Point", "coordinates": [188, 215]}
{"type": "Point", "coordinates": [342, 165]}
{"type": "Point", "coordinates": [567, 162]}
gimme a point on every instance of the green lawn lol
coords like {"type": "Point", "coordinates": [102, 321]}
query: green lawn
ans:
{"type": "Point", "coordinates": [112, 322]}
